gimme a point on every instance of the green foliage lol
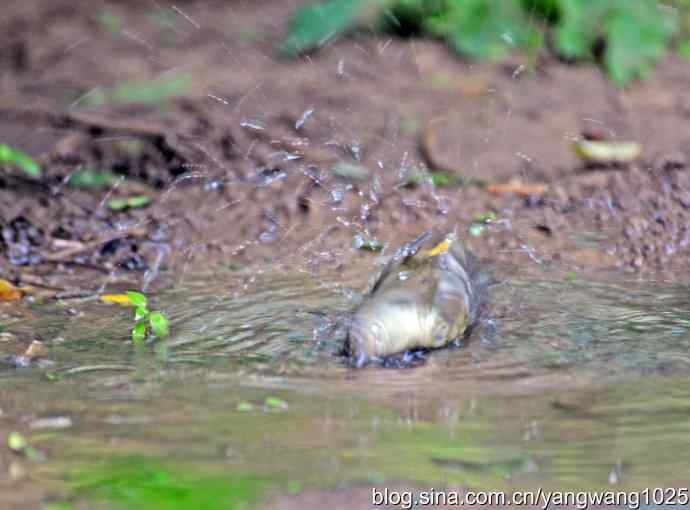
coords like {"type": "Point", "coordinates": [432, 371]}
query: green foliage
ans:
{"type": "Point", "coordinates": [630, 34]}
{"type": "Point", "coordinates": [315, 24]}
{"type": "Point", "coordinates": [547, 9]}
{"type": "Point", "coordinates": [139, 332]}
{"type": "Point", "coordinates": [146, 321]}
{"type": "Point", "coordinates": [11, 156]}
{"type": "Point", "coordinates": [16, 442]}
{"type": "Point", "coordinates": [19, 444]}
{"type": "Point", "coordinates": [159, 324]}
{"type": "Point", "coordinates": [482, 29]}
{"type": "Point", "coordinates": [92, 179]}
{"type": "Point", "coordinates": [275, 403]}
{"type": "Point", "coordinates": [368, 244]}
{"type": "Point", "coordinates": [635, 34]}
{"type": "Point", "coordinates": [137, 298]}
{"type": "Point", "coordinates": [439, 179]}
{"type": "Point", "coordinates": [245, 407]}
{"type": "Point", "coordinates": [120, 204]}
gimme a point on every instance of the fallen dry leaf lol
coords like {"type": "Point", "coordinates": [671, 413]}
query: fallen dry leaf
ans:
{"type": "Point", "coordinates": [603, 152]}
{"type": "Point", "coordinates": [519, 188]}
{"type": "Point", "coordinates": [121, 299]}
{"type": "Point", "coordinates": [9, 292]}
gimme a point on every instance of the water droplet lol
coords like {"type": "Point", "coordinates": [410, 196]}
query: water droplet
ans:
{"type": "Point", "coordinates": [305, 116]}
{"type": "Point", "coordinates": [519, 70]}
{"type": "Point", "coordinates": [267, 237]}
{"type": "Point", "coordinates": [251, 125]}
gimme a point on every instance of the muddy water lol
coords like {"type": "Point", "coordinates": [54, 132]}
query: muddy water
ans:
{"type": "Point", "coordinates": [567, 383]}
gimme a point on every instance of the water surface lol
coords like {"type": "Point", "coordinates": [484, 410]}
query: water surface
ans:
{"type": "Point", "coordinates": [577, 384]}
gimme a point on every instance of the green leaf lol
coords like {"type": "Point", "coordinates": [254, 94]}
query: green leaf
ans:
{"type": "Point", "coordinates": [12, 156]}
{"type": "Point", "coordinates": [579, 27]}
{"type": "Point", "coordinates": [159, 324]}
{"type": "Point", "coordinates": [637, 34]}
{"type": "Point", "coordinates": [139, 332]}
{"type": "Point", "coordinates": [54, 376]}
{"type": "Point", "coordinates": [245, 407]}
{"type": "Point", "coordinates": [16, 441]}
{"type": "Point", "coordinates": [439, 179]}
{"type": "Point", "coordinates": [137, 298]}
{"type": "Point", "coordinates": [484, 29]}
{"type": "Point", "coordinates": [276, 403]}
{"type": "Point", "coordinates": [92, 179]}
{"type": "Point", "coordinates": [119, 204]}
{"type": "Point", "coordinates": [141, 312]}
{"type": "Point", "coordinates": [368, 244]}
{"type": "Point", "coordinates": [314, 24]}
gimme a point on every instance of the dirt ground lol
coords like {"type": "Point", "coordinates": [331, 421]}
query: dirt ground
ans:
{"type": "Point", "coordinates": [261, 157]}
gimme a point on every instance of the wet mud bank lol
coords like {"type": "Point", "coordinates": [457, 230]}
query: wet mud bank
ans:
{"type": "Point", "coordinates": [241, 157]}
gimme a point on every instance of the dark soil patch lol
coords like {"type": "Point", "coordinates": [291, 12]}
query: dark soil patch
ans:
{"type": "Point", "coordinates": [260, 158]}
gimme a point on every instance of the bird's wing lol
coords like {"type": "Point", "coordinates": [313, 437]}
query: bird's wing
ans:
{"type": "Point", "coordinates": [402, 256]}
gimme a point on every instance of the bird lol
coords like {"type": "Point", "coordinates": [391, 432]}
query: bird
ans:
{"type": "Point", "coordinates": [427, 296]}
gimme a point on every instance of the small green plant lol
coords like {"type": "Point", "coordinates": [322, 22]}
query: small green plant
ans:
{"type": "Point", "coordinates": [314, 24]}
{"type": "Point", "coordinates": [438, 179]}
{"type": "Point", "coordinates": [368, 244]}
{"type": "Point", "coordinates": [120, 204]}
{"type": "Point", "coordinates": [11, 156]}
{"type": "Point", "coordinates": [634, 34]}
{"type": "Point", "coordinates": [18, 443]}
{"type": "Point", "coordinates": [625, 36]}
{"type": "Point", "coordinates": [92, 179]}
{"type": "Point", "coordinates": [146, 321]}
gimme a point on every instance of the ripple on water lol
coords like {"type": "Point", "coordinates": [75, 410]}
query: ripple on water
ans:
{"type": "Point", "coordinates": [574, 388]}
{"type": "Point", "coordinates": [546, 329]}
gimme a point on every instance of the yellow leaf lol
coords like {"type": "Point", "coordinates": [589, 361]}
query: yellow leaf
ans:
{"type": "Point", "coordinates": [441, 247]}
{"type": "Point", "coordinates": [122, 299]}
{"type": "Point", "coordinates": [9, 292]}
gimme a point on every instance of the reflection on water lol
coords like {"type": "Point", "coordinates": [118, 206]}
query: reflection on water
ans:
{"type": "Point", "coordinates": [566, 384]}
